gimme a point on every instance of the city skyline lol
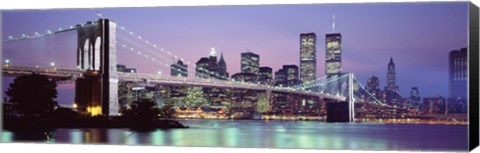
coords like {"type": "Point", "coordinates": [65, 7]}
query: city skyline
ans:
{"type": "Point", "coordinates": [374, 43]}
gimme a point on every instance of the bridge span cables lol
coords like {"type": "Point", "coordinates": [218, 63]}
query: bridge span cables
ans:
{"type": "Point", "coordinates": [159, 52]}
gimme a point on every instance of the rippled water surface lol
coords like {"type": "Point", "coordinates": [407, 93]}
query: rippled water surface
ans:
{"type": "Point", "coordinates": [269, 134]}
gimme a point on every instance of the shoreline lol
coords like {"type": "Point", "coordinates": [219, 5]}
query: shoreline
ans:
{"type": "Point", "coordinates": [414, 122]}
{"type": "Point", "coordinates": [137, 125]}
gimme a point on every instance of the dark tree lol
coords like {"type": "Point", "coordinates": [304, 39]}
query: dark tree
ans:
{"type": "Point", "coordinates": [63, 114]}
{"type": "Point", "coordinates": [143, 109]}
{"type": "Point", "coordinates": [33, 94]}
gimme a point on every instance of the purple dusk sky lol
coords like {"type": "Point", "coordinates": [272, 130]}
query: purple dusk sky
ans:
{"type": "Point", "coordinates": [418, 36]}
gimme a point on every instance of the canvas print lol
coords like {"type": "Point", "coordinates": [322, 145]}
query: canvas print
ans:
{"type": "Point", "coordinates": [373, 76]}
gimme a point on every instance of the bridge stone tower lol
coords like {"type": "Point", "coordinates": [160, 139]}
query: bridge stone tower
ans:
{"type": "Point", "coordinates": [342, 111]}
{"type": "Point", "coordinates": [97, 91]}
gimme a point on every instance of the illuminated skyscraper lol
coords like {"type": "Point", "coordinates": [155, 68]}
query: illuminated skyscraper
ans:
{"type": "Point", "coordinates": [333, 59]}
{"type": "Point", "coordinates": [212, 64]}
{"type": "Point", "coordinates": [292, 74]}
{"type": "Point", "coordinates": [265, 75]}
{"type": "Point", "coordinates": [250, 63]}
{"type": "Point", "coordinates": [391, 90]}
{"type": "Point", "coordinates": [201, 68]}
{"type": "Point", "coordinates": [391, 77]}
{"type": "Point", "coordinates": [333, 54]}
{"type": "Point", "coordinates": [287, 75]}
{"type": "Point", "coordinates": [280, 77]}
{"type": "Point", "coordinates": [208, 67]}
{"type": "Point", "coordinates": [308, 60]}
{"type": "Point", "coordinates": [458, 74]}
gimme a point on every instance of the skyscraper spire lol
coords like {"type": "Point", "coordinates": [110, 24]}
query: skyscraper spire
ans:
{"type": "Point", "coordinates": [213, 52]}
{"type": "Point", "coordinates": [221, 58]}
{"type": "Point", "coordinates": [333, 23]}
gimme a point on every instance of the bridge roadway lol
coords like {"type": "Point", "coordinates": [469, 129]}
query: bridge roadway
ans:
{"type": "Point", "coordinates": [72, 74]}
{"type": "Point", "coordinates": [52, 72]}
{"type": "Point", "coordinates": [157, 79]}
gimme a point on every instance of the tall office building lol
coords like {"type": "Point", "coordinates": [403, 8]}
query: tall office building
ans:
{"type": "Point", "coordinates": [201, 68]}
{"type": "Point", "coordinates": [280, 77]}
{"type": "Point", "coordinates": [265, 75]}
{"type": "Point", "coordinates": [391, 90]}
{"type": "Point", "coordinates": [179, 69]}
{"type": "Point", "coordinates": [250, 63]}
{"type": "Point", "coordinates": [391, 77]}
{"type": "Point", "coordinates": [292, 74]}
{"type": "Point", "coordinates": [458, 74]}
{"type": "Point", "coordinates": [287, 76]}
{"type": "Point", "coordinates": [212, 64]}
{"type": "Point", "coordinates": [373, 83]}
{"type": "Point", "coordinates": [308, 60]}
{"type": "Point", "coordinates": [373, 87]}
{"type": "Point", "coordinates": [208, 67]}
{"type": "Point", "coordinates": [333, 54]}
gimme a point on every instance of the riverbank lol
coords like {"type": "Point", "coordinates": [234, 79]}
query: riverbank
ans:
{"type": "Point", "coordinates": [323, 119]}
{"type": "Point", "coordinates": [134, 124]}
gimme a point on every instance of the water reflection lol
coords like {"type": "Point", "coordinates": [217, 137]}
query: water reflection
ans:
{"type": "Point", "coordinates": [268, 134]}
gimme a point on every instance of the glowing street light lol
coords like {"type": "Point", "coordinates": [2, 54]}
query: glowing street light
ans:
{"type": "Point", "coordinates": [159, 72]}
{"type": "Point", "coordinates": [52, 64]}
{"type": "Point", "coordinates": [7, 61]}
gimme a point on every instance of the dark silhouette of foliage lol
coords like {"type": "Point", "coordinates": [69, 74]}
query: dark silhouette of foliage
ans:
{"type": "Point", "coordinates": [63, 114]}
{"type": "Point", "coordinates": [33, 94]}
{"type": "Point", "coordinates": [143, 109]}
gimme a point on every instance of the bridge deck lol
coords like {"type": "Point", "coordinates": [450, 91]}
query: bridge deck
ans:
{"type": "Point", "coordinates": [72, 74]}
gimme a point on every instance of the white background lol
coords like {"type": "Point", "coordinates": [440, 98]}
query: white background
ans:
{"type": "Point", "coordinates": [66, 148]}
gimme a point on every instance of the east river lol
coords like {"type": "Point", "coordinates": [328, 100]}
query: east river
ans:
{"type": "Point", "coordinates": [269, 134]}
